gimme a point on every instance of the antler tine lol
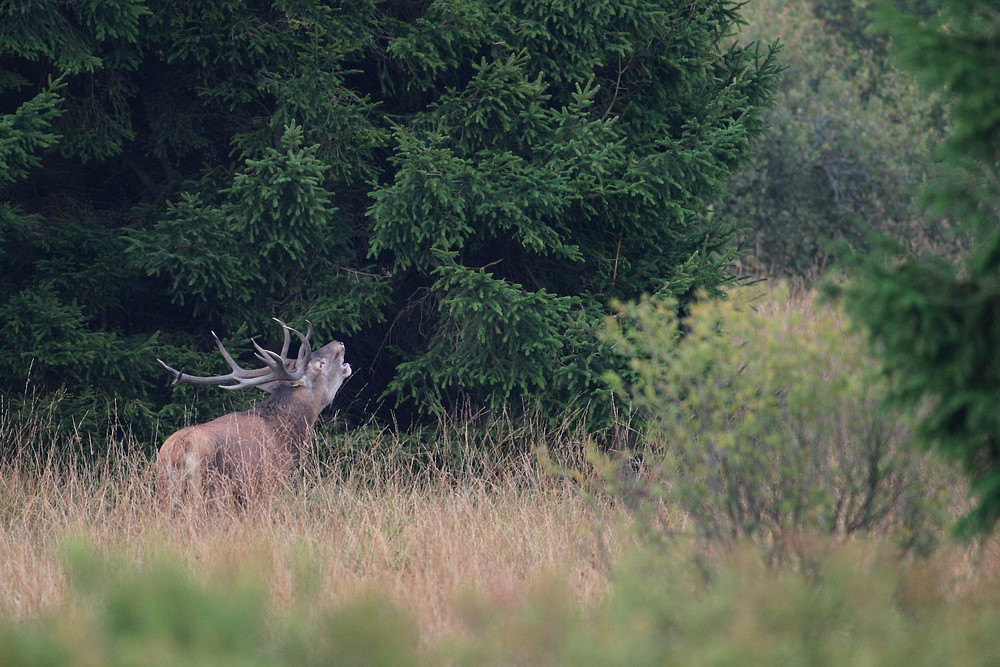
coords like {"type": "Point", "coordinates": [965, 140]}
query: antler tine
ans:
{"type": "Point", "coordinates": [274, 370]}
{"type": "Point", "coordinates": [305, 349]}
{"type": "Point", "coordinates": [176, 373]}
{"type": "Point", "coordinates": [276, 362]}
{"type": "Point", "coordinates": [304, 339]}
{"type": "Point", "coordinates": [245, 381]}
{"type": "Point", "coordinates": [286, 342]}
{"type": "Point", "coordinates": [238, 371]}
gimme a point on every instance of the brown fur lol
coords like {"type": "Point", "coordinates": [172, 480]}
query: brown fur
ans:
{"type": "Point", "coordinates": [247, 455]}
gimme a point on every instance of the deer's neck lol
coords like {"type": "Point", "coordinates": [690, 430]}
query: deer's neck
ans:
{"type": "Point", "coordinates": [290, 414]}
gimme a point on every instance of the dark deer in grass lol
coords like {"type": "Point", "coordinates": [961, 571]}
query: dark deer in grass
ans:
{"type": "Point", "coordinates": [247, 455]}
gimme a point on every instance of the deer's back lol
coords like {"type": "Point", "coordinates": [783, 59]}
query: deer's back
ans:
{"type": "Point", "coordinates": [242, 449]}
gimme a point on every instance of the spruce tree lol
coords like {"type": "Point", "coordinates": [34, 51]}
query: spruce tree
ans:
{"type": "Point", "coordinates": [936, 322]}
{"type": "Point", "coordinates": [567, 155]}
{"type": "Point", "coordinates": [457, 190]}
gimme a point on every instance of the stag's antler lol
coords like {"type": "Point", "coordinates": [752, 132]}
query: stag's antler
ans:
{"type": "Point", "coordinates": [276, 365]}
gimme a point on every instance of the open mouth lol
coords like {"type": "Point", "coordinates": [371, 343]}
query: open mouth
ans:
{"type": "Point", "coordinates": [345, 368]}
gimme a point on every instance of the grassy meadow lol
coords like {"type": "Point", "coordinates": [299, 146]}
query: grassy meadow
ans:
{"type": "Point", "coordinates": [422, 540]}
{"type": "Point", "coordinates": [490, 557]}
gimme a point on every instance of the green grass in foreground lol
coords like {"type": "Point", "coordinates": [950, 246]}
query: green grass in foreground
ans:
{"type": "Point", "coordinates": [850, 604]}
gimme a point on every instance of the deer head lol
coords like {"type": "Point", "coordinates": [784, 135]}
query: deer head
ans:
{"type": "Point", "coordinates": [246, 454]}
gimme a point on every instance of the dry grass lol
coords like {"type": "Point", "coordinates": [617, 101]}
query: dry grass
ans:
{"type": "Point", "coordinates": [426, 541]}
{"type": "Point", "coordinates": [469, 544]}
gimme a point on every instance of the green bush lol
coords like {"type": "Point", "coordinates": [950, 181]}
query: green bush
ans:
{"type": "Point", "coordinates": [765, 421]}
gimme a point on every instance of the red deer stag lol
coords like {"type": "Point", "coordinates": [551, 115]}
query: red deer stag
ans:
{"type": "Point", "coordinates": [246, 455]}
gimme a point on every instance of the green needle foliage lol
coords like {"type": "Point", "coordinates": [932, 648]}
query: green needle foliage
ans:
{"type": "Point", "coordinates": [456, 189]}
{"type": "Point", "coordinates": [936, 323]}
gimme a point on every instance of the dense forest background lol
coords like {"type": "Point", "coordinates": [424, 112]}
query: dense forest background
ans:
{"type": "Point", "coordinates": [456, 190]}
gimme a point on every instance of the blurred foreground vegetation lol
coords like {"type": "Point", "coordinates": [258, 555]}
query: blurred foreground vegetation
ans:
{"type": "Point", "coordinates": [854, 603]}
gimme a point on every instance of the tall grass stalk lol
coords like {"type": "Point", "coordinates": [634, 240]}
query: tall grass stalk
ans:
{"type": "Point", "coordinates": [423, 540]}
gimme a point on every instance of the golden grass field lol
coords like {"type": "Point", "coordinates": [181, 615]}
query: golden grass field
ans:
{"type": "Point", "coordinates": [427, 542]}
{"type": "Point", "coordinates": [489, 552]}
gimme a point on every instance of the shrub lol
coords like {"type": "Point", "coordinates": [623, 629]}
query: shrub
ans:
{"type": "Point", "coordinates": [764, 421]}
{"type": "Point", "coordinates": [856, 604]}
